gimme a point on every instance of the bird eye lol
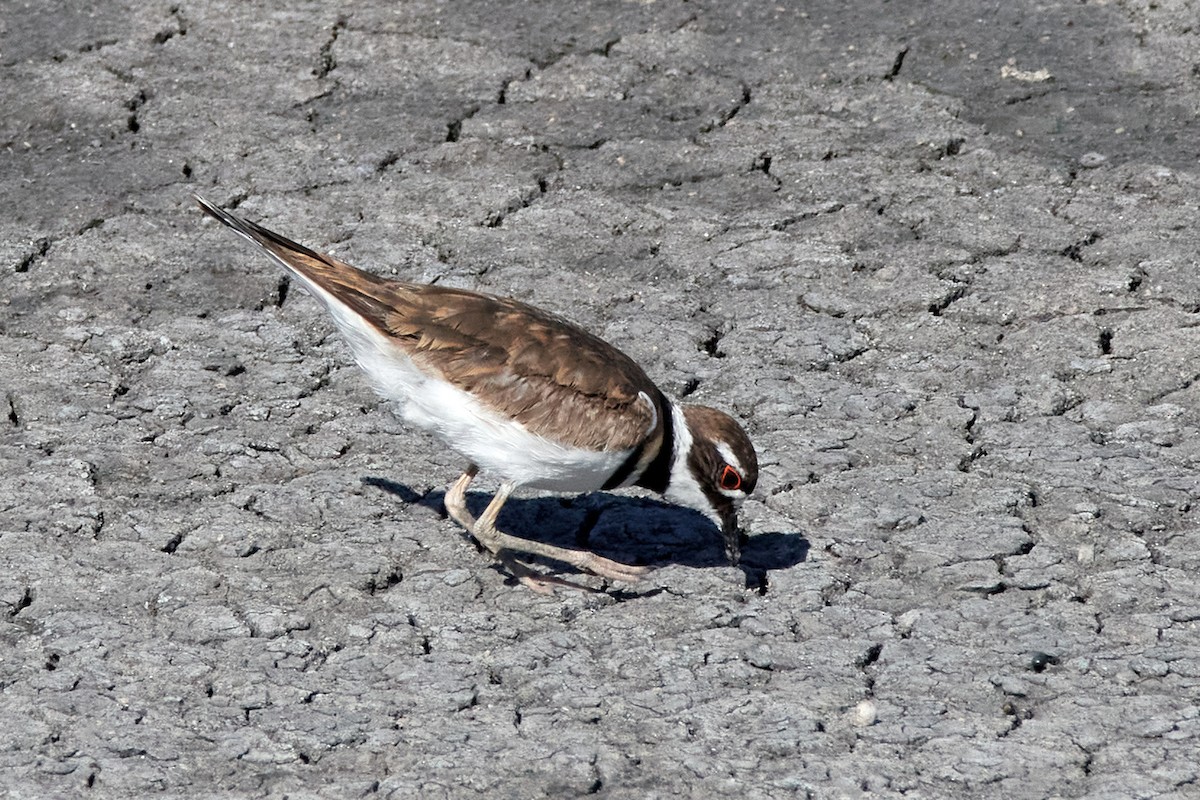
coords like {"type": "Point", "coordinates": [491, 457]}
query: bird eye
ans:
{"type": "Point", "coordinates": [730, 480]}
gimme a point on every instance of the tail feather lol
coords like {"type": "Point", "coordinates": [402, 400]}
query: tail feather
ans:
{"type": "Point", "coordinates": [257, 234]}
{"type": "Point", "coordinates": [338, 286]}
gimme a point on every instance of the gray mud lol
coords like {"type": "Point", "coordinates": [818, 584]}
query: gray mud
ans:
{"type": "Point", "coordinates": [940, 258]}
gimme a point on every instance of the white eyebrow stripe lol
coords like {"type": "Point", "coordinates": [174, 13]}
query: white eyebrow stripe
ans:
{"type": "Point", "coordinates": [730, 459]}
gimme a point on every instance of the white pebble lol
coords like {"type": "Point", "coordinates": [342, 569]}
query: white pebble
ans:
{"type": "Point", "coordinates": [866, 713]}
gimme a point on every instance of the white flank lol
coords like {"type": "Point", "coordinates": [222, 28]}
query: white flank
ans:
{"type": "Point", "coordinates": [494, 442]}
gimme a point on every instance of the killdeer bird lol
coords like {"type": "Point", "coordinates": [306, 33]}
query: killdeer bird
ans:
{"type": "Point", "coordinates": [526, 395]}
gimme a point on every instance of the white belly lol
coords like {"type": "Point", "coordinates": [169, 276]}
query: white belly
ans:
{"type": "Point", "coordinates": [494, 442]}
{"type": "Point", "coordinates": [502, 446]}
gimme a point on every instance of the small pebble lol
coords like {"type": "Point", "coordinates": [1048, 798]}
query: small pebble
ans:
{"type": "Point", "coordinates": [866, 713]}
{"type": "Point", "coordinates": [1038, 661]}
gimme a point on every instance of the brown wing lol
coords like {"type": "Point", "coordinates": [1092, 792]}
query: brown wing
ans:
{"type": "Point", "coordinates": [555, 378]}
{"type": "Point", "coordinates": [552, 376]}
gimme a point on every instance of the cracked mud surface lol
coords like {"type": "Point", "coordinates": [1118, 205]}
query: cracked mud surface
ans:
{"type": "Point", "coordinates": [942, 263]}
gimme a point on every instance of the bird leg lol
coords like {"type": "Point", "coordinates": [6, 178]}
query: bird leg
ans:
{"type": "Point", "coordinates": [496, 541]}
{"type": "Point", "coordinates": [456, 499]}
{"type": "Point", "coordinates": [456, 507]}
{"type": "Point", "coordinates": [485, 532]}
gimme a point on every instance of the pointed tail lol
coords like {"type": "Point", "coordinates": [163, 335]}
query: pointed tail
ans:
{"type": "Point", "coordinates": [339, 286]}
{"type": "Point", "coordinates": [273, 242]}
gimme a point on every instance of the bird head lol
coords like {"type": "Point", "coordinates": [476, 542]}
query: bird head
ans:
{"type": "Point", "coordinates": [715, 468]}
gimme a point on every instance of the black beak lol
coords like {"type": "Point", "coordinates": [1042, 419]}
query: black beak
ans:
{"type": "Point", "coordinates": [733, 536]}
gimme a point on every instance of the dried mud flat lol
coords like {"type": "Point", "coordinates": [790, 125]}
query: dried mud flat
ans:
{"type": "Point", "coordinates": [941, 260]}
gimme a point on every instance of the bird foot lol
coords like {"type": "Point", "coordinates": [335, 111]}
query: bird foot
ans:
{"type": "Point", "coordinates": [545, 584]}
{"type": "Point", "coordinates": [540, 582]}
{"type": "Point", "coordinates": [607, 568]}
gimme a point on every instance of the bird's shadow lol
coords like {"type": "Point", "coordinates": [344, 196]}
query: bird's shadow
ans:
{"type": "Point", "coordinates": [633, 530]}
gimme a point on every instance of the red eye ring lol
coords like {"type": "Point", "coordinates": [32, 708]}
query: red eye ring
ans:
{"type": "Point", "coordinates": [730, 480]}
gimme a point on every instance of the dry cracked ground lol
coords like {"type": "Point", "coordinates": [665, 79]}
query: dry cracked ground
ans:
{"type": "Point", "coordinates": [940, 259]}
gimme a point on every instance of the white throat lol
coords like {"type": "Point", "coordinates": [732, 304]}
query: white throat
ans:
{"type": "Point", "coordinates": [682, 487]}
